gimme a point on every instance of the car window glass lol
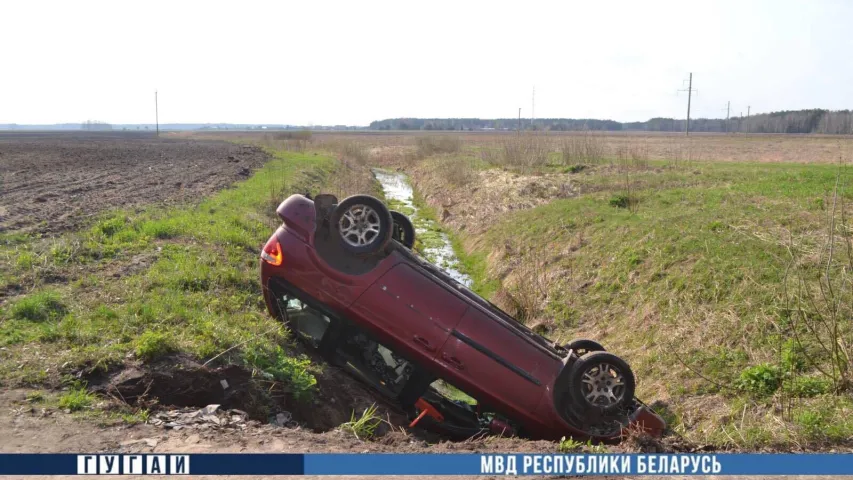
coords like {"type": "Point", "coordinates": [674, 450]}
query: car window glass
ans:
{"type": "Point", "coordinates": [307, 322]}
{"type": "Point", "coordinates": [452, 393]}
{"type": "Point", "coordinates": [376, 362]}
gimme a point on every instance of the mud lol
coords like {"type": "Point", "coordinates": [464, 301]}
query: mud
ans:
{"type": "Point", "coordinates": [55, 182]}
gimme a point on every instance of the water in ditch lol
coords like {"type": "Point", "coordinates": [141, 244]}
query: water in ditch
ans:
{"type": "Point", "coordinates": [436, 246]}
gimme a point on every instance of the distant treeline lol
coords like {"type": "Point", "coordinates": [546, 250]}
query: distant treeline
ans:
{"type": "Point", "coordinates": [794, 121]}
{"type": "Point", "coordinates": [95, 125]}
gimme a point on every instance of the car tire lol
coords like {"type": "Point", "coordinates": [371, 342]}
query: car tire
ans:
{"type": "Point", "coordinates": [403, 231]}
{"type": "Point", "coordinates": [582, 346]}
{"type": "Point", "coordinates": [601, 383]}
{"type": "Point", "coordinates": [363, 224]}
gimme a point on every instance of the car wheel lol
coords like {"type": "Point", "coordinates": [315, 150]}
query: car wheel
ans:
{"type": "Point", "coordinates": [582, 346]}
{"type": "Point", "coordinates": [601, 382]}
{"type": "Point", "coordinates": [363, 224]}
{"type": "Point", "coordinates": [404, 231]}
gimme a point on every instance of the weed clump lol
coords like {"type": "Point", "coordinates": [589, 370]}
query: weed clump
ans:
{"type": "Point", "coordinates": [276, 363]}
{"type": "Point", "coordinates": [39, 307]}
{"type": "Point", "coordinates": [760, 380]}
{"type": "Point", "coordinates": [364, 427]}
{"type": "Point", "coordinates": [151, 345]}
{"type": "Point", "coordinates": [76, 399]}
{"type": "Point", "coordinates": [620, 201]}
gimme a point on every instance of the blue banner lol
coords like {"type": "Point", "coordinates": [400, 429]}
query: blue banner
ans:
{"type": "Point", "coordinates": [426, 464]}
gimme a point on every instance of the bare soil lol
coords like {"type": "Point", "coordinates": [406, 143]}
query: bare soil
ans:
{"type": "Point", "coordinates": [54, 182]}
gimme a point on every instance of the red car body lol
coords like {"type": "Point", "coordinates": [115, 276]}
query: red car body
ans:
{"type": "Point", "coordinates": [410, 306]}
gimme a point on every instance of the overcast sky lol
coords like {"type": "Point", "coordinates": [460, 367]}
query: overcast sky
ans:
{"type": "Point", "coordinates": [318, 62]}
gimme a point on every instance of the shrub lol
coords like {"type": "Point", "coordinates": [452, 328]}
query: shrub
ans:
{"type": "Point", "coordinates": [620, 201]}
{"type": "Point", "coordinates": [39, 307]}
{"type": "Point", "coordinates": [526, 151]}
{"type": "Point", "coordinates": [580, 149]}
{"type": "Point", "coordinates": [810, 386]}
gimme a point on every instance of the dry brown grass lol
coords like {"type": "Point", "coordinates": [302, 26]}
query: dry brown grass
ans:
{"type": "Point", "coordinates": [657, 146]}
{"type": "Point", "coordinates": [457, 172]}
{"type": "Point", "coordinates": [523, 152]}
{"type": "Point", "coordinates": [582, 149]}
{"type": "Point", "coordinates": [432, 145]}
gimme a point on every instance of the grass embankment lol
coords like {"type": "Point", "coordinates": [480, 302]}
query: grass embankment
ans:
{"type": "Point", "coordinates": [155, 281]}
{"type": "Point", "coordinates": [682, 269]}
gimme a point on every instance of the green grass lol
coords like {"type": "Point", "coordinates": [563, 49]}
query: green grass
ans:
{"type": "Point", "coordinates": [688, 288]}
{"type": "Point", "coordinates": [363, 427]}
{"type": "Point", "coordinates": [39, 307]}
{"type": "Point", "coordinates": [198, 294]}
{"type": "Point", "coordinates": [76, 399]}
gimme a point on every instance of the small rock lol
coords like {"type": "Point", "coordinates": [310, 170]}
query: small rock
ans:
{"type": "Point", "coordinates": [224, 384]}
{"type": "Point", "coordinates": [283, 418]}
{"type": "Point", "coordinates": [151, 442]}
{"type": "Point", "coordinates": [193, 438]}
{"type": "Point", "coordinates": [209, 410]}
{"type": "Point", "coordinates": [212, 419]}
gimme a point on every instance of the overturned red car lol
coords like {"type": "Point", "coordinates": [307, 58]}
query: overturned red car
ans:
{"type": "Point", "coordinates": [343, 277]}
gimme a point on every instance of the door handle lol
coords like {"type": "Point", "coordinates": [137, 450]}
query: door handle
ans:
{"type": "Point", "coordinates": [453, 361]}
{"type": "Point", "coordinates": [423, 342]}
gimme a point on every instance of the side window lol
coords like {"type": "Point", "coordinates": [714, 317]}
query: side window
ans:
{"type": "Point", "coordinates": [376, 363]}
{"type": "Point", "coordinates": [453, 393]}
{"type": "Point", "coordinates": [308, 324]}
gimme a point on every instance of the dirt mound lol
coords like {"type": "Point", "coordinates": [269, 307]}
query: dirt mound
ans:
{"type": "Point", "coordinates": [179, 381]}
{"type": "Point", "coordinates": [51, 183]}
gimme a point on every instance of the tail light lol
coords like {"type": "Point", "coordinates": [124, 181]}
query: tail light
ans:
{"type": "Point", "coordinates": [271, 252]}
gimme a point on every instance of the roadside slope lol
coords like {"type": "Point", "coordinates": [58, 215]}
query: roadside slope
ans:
{"type": "Point", "coordinates": [680, 268]}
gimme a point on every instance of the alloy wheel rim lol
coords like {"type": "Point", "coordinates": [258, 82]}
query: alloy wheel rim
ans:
{"type": "Point", "coordinates": [603, 385]}
{"type": "Point", "coordinates": [359, 225]}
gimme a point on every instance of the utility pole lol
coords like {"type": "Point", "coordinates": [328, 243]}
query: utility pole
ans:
{"type": "Point", "coordinates": [519, 120]}
{"type": "Point", "coordinates": [156, 113]}
{"type": "Point", "coordinates": [748, 108]}
{"type": "Point", "coordinates": [689, 97]}
{"type": "Point", "coordinates": [533, 108]}
{"type": "Point", "coordinates": [728, 108]}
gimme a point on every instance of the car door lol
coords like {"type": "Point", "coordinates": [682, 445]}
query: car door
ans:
{"type": "Point", "coordinates": [491, 358]}
{"type": "Point", "coordinates": [412, 308]}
